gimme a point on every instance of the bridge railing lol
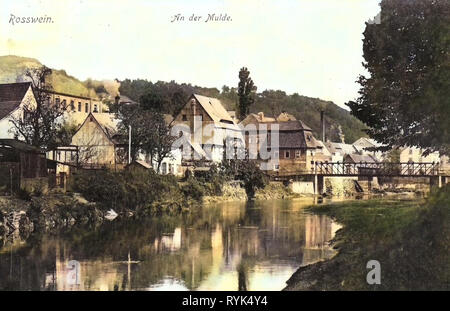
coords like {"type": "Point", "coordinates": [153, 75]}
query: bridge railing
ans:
{"type": "Point", "coordinates": [377, 169]}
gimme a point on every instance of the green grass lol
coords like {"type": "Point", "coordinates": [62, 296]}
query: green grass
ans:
{"type": "Point", "coordinates": [410, 239]}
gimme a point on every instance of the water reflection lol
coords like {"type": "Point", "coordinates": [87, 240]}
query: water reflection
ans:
{"type": "Point", "coordinates": [231, 246]}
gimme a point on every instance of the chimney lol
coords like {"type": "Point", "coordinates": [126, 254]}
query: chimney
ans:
{"type": "Point", "coordinates": [322, 124]}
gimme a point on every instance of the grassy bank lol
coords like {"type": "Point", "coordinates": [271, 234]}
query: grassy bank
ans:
{"type": "Point", "coordinates": [410, 239]}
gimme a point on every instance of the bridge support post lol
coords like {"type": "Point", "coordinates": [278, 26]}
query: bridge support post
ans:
{"type": "Point", "coordinates": [435, 182]}
{"type": "Point", "coordinates": [316, 188]}
{"type": "Point", "coordinates": [318, 184]}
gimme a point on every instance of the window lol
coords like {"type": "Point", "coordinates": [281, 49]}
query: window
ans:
{"type": "Point", "coordinates": [276, 167]}
{"type": "Point", "coordinates": [164, 168]}
{"type": "Point", "coordinates": [184, 117]}
{"type": "Point", "coordinates": [410, 151]}
{"type": "Point", "coordinates": [95, 108]}
{"type": "Point", "coordinates": [86, 107]}
{"type": "Point", "coordinates": [79, 107]}
{"type": "Point", "coordinates": [297, 153]}
{"type": "Point", "coordinates": [57, 101]}
{"type": "Point", "coordinates": [287, 154]}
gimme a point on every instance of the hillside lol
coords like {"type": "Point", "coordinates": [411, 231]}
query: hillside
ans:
{"type": "Point", "coordinates": [12, 69]}
{"type": "Point", "coordinates": [270, 102]}
{"type": "Point", "coordinates": [307, 109]}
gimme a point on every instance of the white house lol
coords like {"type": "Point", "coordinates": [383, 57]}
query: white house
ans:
{"type": "Point", "coordinates": [209, 124]}
{"type": "Point", "coordinates": [414, 154]}
{"type": "Point", "coordinates": [363, 144]}
{"type": "Point", "coordinates": [13, 98]}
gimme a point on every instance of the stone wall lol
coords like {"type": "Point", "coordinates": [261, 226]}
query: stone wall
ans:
{"type": "Point", "coordinates": [340, 186]}
{"type": "Point", "coordinates": [302, 187]}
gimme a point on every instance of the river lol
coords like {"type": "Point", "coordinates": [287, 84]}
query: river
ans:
{"type": "Point", "coordinates": [227, 246]}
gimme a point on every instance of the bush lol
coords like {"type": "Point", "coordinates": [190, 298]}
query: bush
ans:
{"type": "Point", "coordinates": [252, 177]}
{"type": "Point", "coordinates": [193, 189]}
{"type": "Point", "coordinates": [134, 189]}
{"type": "Point", "coordinates": [23, 194]}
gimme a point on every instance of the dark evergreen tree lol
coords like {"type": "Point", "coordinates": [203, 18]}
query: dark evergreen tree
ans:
{"type": "Point", "coordinates": [246, 93]}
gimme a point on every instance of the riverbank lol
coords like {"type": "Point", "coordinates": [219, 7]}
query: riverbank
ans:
{"type": "Point", "coordinates": [126, 196]}
{"type": "Point", "coordinates": [409, 237]}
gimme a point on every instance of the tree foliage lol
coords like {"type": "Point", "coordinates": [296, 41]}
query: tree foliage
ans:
{"type": "Point", "coordinates": [246, 93]}
{"type": "Point", "coordinates": [39, 125]}
{"type": "Point", "coordinates": [405, 99]}
{"type": "Point", "coordinates": [150, 133]}
{"type": "Point", "coordinates": [251, 176]}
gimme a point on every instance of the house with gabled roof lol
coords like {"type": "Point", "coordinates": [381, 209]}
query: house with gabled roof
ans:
{"type": "Point", "coordinates": [13, 98]}
{"type": "Point", "coordinates": [209, 124]}
{"type": "Point", "coordinates": [366, 145]}
{"type": "Point", "coordinates": [99, 144]}
{"type": "Point", "coordinates": [297, 145]}
{"type": "Point", "coordinates": [341, 148]}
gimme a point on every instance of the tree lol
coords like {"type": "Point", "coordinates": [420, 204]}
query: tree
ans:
{"type": "Point", "coordinates": [251, 176]}
{"type": "Point", "coordinates": [134, 116]}
{"type": "Point", "coordinates": [39, 125]}
{"type": "Point", "coordinates": [159, 144]}
{"type": "Point", "coordinates": [150, 133]}
{"type": "Point", "coordinates": [273, 100]}
{"type": "Point", "coordinates": [65, 133]}
{"type": "Point", "coordinates": [246, 93]}
{"type": "Point", "coordinates": [405, 100]}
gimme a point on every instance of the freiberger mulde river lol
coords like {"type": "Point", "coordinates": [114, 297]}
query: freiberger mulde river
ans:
{"type": "Point", "coordinates": [227, 246]}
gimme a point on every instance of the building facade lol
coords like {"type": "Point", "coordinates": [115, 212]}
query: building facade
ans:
{"type": "Point", "coordinates": [13, 98]}
{"type": "Point", "coordinates": [296, 148]}
{"type": "Point", "coordinates": [208, 125]}
{"type": "Point", "coordinates": [99, 145]}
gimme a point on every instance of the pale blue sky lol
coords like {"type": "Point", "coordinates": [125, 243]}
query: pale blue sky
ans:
{"type": "Point", "coordinates": [312, 47]}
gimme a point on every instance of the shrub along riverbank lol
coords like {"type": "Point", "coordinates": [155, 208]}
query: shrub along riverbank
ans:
{"type": "Point", "coordinates": [410, 239]}
{"type": "Point", "coordinates": [135, 192]}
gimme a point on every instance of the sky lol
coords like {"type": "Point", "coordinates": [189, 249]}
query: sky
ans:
{"type": "Point", "coordinates": [309, 47]}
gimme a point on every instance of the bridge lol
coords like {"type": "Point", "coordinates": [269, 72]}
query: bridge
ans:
{"type": "Point", "coordinates": [409, 169]}
{"type": "Point", "coordinates": [369, 170]}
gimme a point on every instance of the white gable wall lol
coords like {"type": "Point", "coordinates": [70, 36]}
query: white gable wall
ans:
{"type": "Point", "coordinates": [6, 127]}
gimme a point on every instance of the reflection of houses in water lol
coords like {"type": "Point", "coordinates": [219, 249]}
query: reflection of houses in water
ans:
{"type": "Point", "coordinates": [243, 247]}
{"type": "Point", "coordinates": [70, 275]}
{"type": "Point", "coordinates": [319, 230]}
{"type": "Point", "coordinates": [170, 242]}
